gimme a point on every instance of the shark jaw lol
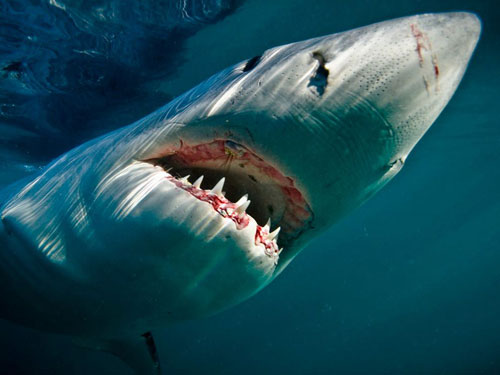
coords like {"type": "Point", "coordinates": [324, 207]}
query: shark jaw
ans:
{"type": "Point", "coordinates": [241, 187]}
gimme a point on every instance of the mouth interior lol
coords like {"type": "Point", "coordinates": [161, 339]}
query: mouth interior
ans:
{"type": "Point", "coordinates": [274, 197]}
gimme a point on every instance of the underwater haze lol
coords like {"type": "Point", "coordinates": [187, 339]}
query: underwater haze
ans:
{"type": "Point", "coordinates": [407, 284]}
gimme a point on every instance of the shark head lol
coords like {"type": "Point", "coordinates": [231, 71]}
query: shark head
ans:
{"type": "Point", "coordinates": [311, 130]}
{"type": "Point", "coordinates": [204, 202]}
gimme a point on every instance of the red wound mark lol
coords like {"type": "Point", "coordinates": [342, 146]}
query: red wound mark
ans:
{"type": "Point", "coordinates": [420, 38]}
{"type": "Point", "coordinates": [423, 43]}
{"type": "Point", "coordinates": [436, 68]}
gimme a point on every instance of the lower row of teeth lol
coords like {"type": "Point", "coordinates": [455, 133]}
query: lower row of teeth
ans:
{"type": "Point", "coordinates": [237, 212]}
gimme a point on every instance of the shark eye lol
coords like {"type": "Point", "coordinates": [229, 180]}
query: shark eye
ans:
{"type": "Point", "coordinates": [252, 63]}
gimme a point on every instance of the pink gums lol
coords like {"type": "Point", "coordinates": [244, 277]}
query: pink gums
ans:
{"type": "Point", "coordinates": [227, 209]}
{"type": "Point", "coordinates": [297, 213]}
{"type": "Point", "coordinates": [220, 204]}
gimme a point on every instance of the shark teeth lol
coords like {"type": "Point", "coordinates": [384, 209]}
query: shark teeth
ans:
{"type": "Point", "coordinates": [267, 227]}
{"type": "Point", "coordinates": [197, 183]}
{"type": "Point", "coordinates": [274, 234]}
{"type": "Point", "coordinates": [242, 208]}
{"type": "Point", "coordinates": [217, 189]}
{"type": "Point", "coordinates": [242, 200]}
{"type": "Point", "coordinates": [233, 211]}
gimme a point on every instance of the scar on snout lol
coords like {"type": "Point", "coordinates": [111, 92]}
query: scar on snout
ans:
{"type": "Point", "coordinates": [423, 43]}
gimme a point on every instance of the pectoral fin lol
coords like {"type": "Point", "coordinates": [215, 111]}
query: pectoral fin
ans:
{"type": "Point", "coordinates": [139, 352]}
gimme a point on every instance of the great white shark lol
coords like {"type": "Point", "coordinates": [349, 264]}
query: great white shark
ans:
{"type": "Point", "coordinates": [204, 202]}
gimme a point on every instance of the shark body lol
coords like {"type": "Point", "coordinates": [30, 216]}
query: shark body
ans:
{"type": "Point", "coordinates": [201, 204]}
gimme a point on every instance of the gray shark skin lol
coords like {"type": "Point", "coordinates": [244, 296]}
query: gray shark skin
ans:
{"type": "Point", "coordinates": [111, 240]}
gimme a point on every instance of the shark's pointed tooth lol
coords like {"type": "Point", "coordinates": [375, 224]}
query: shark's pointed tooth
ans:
{"type": "Point", "coordinates": [242, 200]}
{"type": "Point", "coordinates": [197, 183]}
{"type": "Point", "coordinates": [217, 189]}
{"type": "Point", "coordinates": [184, 179]}
{"type": "Point", "coordinates": [241, 209]}
{"type": "Point", "coordinates": [268, 225]}
{"type": "Point", "coordinates": [271, 236]}
{"type": "Point", "coordinates": [279, 251]}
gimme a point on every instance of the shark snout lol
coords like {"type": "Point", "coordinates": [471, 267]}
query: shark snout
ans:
{"type": "Point", "coordinates": [443, 45]}
{"type": "Point", "coordinates": [435, 51]}
{"type": "Point", "coordinates": [455, 34]}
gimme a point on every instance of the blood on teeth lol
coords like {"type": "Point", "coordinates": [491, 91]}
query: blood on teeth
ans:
{"type": "Point", "coordinates": [234, 211]}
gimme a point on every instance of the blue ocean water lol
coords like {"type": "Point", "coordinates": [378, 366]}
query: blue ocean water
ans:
{"type": "Point", "coordinates": [407, 284]}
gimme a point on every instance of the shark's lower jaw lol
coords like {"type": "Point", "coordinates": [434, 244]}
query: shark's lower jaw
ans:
{"type": "Point", "coordinates": [253, 189]}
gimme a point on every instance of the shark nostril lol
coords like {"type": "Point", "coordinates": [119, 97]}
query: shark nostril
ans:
{"type": "Point", "coordinates": [319, 80]}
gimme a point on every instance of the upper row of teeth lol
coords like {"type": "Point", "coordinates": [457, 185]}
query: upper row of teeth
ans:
{"type": "Point", "coordinates": [241, 205]}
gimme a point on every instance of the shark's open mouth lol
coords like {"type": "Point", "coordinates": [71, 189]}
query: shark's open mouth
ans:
{"type": "Point", "coordinates": [237, 183]}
